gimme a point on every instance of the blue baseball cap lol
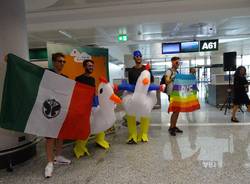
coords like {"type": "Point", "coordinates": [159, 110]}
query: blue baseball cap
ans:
{"type": "Point", "coordinates": [137, 53]}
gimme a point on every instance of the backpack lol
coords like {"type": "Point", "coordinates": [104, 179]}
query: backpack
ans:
{"type": "Point", "coordinates": [163, 81]}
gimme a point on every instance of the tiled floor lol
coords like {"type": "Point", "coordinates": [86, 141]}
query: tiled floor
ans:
{"type": "Point", "coordinates": [211, 150]}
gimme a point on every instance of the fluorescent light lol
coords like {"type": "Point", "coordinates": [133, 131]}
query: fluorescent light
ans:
{"type": "Point", "coordinates": [226, 40]}
{"type": "Point", "coordinates": [161, 63]}
{"type": "Point", "coordinates": [65, 33]}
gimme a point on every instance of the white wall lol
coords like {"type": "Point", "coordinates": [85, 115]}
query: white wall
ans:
{"type": "Point", "coordinates": [43, 64]}
{"type": "Point", "coordinates": [115, 72]}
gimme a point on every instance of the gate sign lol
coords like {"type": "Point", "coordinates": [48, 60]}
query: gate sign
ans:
{"type": "Point", "coordinates": [209, 45]}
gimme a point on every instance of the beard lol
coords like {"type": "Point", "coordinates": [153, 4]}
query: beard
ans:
{"type": "Point", "coordinates": [138, 61]}
{"type": "Point", "coordinates": [89, 71]}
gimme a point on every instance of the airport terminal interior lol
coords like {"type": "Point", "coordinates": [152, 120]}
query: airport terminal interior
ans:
{"type": "Point", "coordinates": [212, 37]}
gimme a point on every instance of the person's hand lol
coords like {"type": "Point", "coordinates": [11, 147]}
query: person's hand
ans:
{"type": "Point", "coordinates": [162, 87]}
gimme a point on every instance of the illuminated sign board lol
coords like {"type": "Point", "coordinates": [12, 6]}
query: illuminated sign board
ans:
{"type": "Point", "coordinates": [209, 45]}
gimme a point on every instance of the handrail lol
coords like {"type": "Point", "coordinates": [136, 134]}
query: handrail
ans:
{"type": "Point", "coordinates": [19, 148]}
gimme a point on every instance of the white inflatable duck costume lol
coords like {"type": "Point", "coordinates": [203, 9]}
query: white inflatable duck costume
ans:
{"type": "Point", "coordinates": [138, 106]}
{"type": "Point", "coordinates": [102, 117]}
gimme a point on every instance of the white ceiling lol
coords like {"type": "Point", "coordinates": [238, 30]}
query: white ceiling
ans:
{"type": "Point", "coordinates": [147, 23]}
{"type": "Point", "coordinates": [52, 5]}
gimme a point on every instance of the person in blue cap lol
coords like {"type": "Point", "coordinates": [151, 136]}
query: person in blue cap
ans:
{"type": "Point", "coordinates": [133, 75]}
{"type": "Point", "coordinates": [136, 70]}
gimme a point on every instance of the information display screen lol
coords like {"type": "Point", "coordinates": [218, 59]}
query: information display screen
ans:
{"type": "Point", "coordinates": [170, 48]}
{"type": "Point", "coordinates": [190, 46]}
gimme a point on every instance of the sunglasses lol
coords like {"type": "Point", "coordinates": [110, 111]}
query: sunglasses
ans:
{"type": "Point", "coordinates": [61, 61]}
{"type": "Point", "coordinates": [176, 62]}
{"type": "Point", "coordinates": [90, 65]}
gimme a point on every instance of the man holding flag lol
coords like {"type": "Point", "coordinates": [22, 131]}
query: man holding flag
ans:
{"type": "Point", "coordinates": [170, 76]}
{"type": "Point", "coordinates": [51, 143]}
{"type": "Point", "coordinates": [44, 103]}
{"type": "Point", "coordinates": [182, 89]}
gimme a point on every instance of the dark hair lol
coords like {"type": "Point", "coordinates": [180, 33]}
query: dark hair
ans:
{"type": "Point", "coordinates": [56, 55]}
{"type": "Point", "coordinates": [190, 69]}
{"type": "Point", "coordinates": [86, 61]}
{"type": "Point", "coordinates": [237, 72]}
{"type": "Point", "coordinates": [175, 58]}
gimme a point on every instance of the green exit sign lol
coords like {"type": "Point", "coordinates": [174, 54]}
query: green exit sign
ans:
{"type": "Point", "coordinates": [122, 38]}
{"type": "Point", "coordinates": [209, 45]}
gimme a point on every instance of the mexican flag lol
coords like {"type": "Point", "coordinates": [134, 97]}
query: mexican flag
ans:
{"type": "Point", "coordinates": [40, 102]}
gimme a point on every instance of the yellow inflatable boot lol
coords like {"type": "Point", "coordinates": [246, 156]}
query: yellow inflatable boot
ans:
{"type": "Point", "coordinates": [100, 140]}
{"type": "Point", "coordinates": [131, 121]}
{"type": "Point", "coordinates": [80, 148]}
{"type": "Point", "coordinates": [143, 136]}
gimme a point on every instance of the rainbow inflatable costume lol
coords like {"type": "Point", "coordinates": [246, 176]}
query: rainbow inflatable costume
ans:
{"type": "Point", "coordinates": [184, 98]}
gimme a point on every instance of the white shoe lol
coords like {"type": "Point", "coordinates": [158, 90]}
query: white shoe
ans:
{"type": "Point", "coordinates": [49, 170]}
{"type": "Point", "coordinates": [61, 160]}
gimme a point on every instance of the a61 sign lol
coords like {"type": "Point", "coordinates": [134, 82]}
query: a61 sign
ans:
{"type": "Point", "coordinates": [209, 45]}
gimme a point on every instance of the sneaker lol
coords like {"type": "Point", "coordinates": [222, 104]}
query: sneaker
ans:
{"type": "Point", "coordinates": [172, 131]}
{"type": "Point", "coordinates": [234, 120]}
{"type": "Point", "coordinates": [49, 170]}
{"type": "Point", "coordinates": [131, 141]}
{"type": "Point", "coordinates": [61, 160]}
{"type": "Point", "coordinates": [177, 130]}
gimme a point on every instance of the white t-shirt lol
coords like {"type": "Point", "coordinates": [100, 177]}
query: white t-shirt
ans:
{"type": "Point", "coordinates": [170, 73]}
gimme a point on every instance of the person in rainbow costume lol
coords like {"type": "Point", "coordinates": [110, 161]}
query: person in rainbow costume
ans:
{"type": "Point", "coordinates": [182, 90]}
